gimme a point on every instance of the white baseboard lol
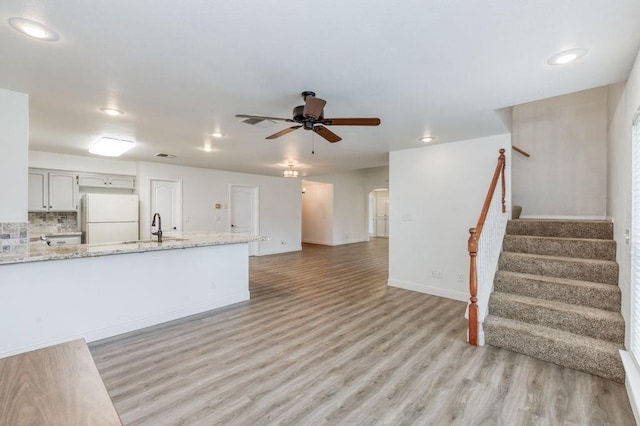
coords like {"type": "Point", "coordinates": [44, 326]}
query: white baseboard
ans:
{"type": "Point", "coordinates": [427, 289]}
{"type": "Point", "coordinates": [114, 330]}
{"type": "Point", "coordinates": [563, 217]}
{"type": "Point", "coordinates": [288, 250]}
{"type": "Point", "coordinates": [632, 383]}
{"type": "Point", "coordinates": [320, 242]}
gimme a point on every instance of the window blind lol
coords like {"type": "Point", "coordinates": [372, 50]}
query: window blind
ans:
{"type": "Point", "coordinates": [635, 240]}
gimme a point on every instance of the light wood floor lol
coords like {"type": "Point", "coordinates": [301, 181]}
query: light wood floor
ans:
{"type": "Point", "coordinates": [324, 341]}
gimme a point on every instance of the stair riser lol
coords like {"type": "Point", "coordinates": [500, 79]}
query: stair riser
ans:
{"type": "Point", "coordinates": [607, 298]}
{"type": "Point", "coordinates": [606, 273]}
{"type": "Point", "coordinates": [581, 324]}
{"type": "Point", "coordinates": [560, 229]}
{"type": "Point", "coordinates": [605, 364]}
{"type": "Point", "coordinates": [584, 249]}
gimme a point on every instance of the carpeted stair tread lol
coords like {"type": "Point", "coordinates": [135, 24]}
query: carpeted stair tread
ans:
{"type": "Point", "coordinates": [593, 356]}
{"type": "Point", "coordinates": [593, 229]}
{"type": "Point", "coordinates": [583, 320]}
{"type": "Point", "coordinates": [593, 270]}
{"type": "Point", "coordinates": [585, 248]}
{"type": "Point", "coordinates": [575, 292]}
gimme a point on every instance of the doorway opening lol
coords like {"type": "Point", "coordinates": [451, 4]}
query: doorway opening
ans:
{"type": "Point", "coordinates": [378, 207]}
{"type": "Point", "coordinates": [317, 213]}
{"type": "Point", "coordinates": [244, 212]}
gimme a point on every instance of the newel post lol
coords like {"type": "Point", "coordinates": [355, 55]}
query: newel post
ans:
{"type": "Point", "coordinates": [473, 287]}
{"type": "Point", "coordinates": [503, 163]}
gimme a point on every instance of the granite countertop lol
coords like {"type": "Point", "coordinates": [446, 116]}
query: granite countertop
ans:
{"type": "Point", "coordinates": [40, 251]}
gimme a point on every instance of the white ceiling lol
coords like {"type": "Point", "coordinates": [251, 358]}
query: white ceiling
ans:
{"type": "Point", "coordinates": [182, 69]}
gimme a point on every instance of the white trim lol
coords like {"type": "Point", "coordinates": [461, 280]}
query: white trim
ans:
{"type": "Point", "coordinates": [270, 252]}
{"type": "Point", "coordinates": [427, 289]}
{"type": "Point", "coordinates": [632, 383]}
{"type": "Point", "coordinates": [320, 242]}
{"type": "Point", "coordinates": [564, 217]}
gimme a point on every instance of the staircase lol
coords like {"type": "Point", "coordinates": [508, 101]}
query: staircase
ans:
{"type": "Point", "coordinates": [556, 295]}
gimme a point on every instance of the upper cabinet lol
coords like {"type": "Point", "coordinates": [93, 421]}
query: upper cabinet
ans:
{"type": "Point", "coordinates": [107, 181]}
{"type": "Point", "coordinates": [52, 191]}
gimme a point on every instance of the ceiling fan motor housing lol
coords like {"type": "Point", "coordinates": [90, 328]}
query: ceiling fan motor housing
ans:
{"type": "Point", "coordinates": [298, 115]}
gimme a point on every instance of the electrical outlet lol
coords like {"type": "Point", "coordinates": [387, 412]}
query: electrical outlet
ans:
{"type": "Point", "coordinates": [439, 275]}
{"type": "Point", "coordinates": [434, 274]}
{"type": "Point", "coordinates": [460, 278]}
{"type": "Point", "coordinates": [213, 285]}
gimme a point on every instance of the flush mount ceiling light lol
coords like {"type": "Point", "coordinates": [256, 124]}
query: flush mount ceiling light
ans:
{"type": "Point", "coordinates": [567, 56]}
{"type": "Point", "coordinates": [34, 29]}
{"type": "Point", "coordinates": [112, 111]}
{"type": "Point", "coordinates": [110, 147]}
{"type": "Point", "coordinates": [426, 139]}
{"type": "Point", "coordinates": [290, 173]}
{"type": "Point", "coordinates": [217, 134]}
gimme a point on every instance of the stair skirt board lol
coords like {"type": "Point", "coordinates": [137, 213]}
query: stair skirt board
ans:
{"type": "Point", "coordinates": [556, 295]}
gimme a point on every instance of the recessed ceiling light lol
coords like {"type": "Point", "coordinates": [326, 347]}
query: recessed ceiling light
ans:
{"type": "Point", "coordinates": [567, 56]}
{"type": "Point", "coordinates": [34, 29]}
{"type": "Point", "coordinates": [207, 149]}
{"type": "Point", "coordinates": [217, 134]}
{"type": "Point", "coordinates": [426, 139]}
{"type": "Point", "coordinates": [110, 147]}
{"type": "Point", "coordinates": [112, 111]}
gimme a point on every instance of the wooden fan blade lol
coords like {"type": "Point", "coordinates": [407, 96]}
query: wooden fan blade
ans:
{"type": "Point", "coordinates": [351, 121]}
{"type": "Point", "coordinates": [313, 107]}
{"type": "Point", "coordinates": [262, 117]}
{"type": "Point", "coordinates": [283, 132]}
{"type": "Point", "coordinates": [327, 134]}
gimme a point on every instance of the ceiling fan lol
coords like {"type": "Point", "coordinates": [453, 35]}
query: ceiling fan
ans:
{"type": "Point", "coordinates": [310, 116]}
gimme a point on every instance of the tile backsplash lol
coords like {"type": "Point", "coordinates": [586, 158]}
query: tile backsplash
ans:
{"type": "Point", "coordinates": [43, 222]}
{"type": "Point", "coordinates": [14, 238]}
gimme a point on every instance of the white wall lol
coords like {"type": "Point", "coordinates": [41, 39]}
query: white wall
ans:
{"type": "Point", "coordinates": [624, 102]}
{"type": "Point", "coordinates": [567, 171]}
{"type": "Point", "coordinates": [435, 196]}
{"type": "Point", "coordinates": [14, 143]}
{"type": "Point", "coordinates": [350, 201]}
{"type": "Point", "coordinates": [317, 213]}
{"type": "Point", "coordinates": [279, 202]}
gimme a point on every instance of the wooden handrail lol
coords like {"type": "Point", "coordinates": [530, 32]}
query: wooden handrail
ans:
{"type": "Point", "coordinates": [472, 246]}
{"type": "Point", "coordinates": [523, 152]}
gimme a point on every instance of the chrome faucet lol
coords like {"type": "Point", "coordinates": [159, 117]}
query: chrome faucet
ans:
{"type": "Point", "coordinates": [153, 223]}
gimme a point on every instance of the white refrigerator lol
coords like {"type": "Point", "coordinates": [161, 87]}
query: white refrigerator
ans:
{"type": "Point", "coordinates": [109, 218]}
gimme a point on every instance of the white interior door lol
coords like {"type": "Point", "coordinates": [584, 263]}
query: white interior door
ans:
{"type": "Point", "coordinates": [166, 199]}
{"type": "Point", "coordinates": [382, 213]}
{"type": "Point", "coordinates": [243, 214]}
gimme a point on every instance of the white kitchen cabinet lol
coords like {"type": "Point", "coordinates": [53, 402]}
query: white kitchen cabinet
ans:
{"type": "Point", "coordinates": [107, 181]}
{"type": "Point", "coordinates": [52, 191]}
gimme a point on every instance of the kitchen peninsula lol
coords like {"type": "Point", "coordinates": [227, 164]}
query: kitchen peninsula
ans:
{"type": "Point", "coordinates": [56, 294]}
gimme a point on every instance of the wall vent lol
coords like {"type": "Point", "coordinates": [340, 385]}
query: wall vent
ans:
{"type": "Point", "coordinates": [163, 155]}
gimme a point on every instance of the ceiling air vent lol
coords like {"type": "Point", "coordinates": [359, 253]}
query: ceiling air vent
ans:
{"type": "Point", "coordinates": [258, 122]}
{"type": "Point", "coordinates": [163, 155]}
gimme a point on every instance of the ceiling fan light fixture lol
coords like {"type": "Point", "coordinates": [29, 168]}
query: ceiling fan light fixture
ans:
{"type": "Point", "coordinates": [567, 56]}
{"type": "Point", "coordinates": [110, 147]}
{"type": "Point", "coordinates": [427, 139]}
{"type": "Point", "coordinates": [290, 172]}
{"type": "Point", "coordinates": [34, 29]}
